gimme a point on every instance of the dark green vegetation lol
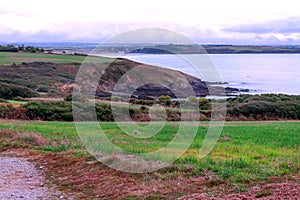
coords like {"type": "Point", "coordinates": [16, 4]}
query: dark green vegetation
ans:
{"type": "Point", "coordinates": [8, 48]}
{"type": "Point", "coordinates": [21, 48]}
{"type": "Point", "coordinates": [246, 152]}
{"type": "Point", "coordinates": [245, 107]}
{"type": "Point", "coordinates": [9, 91]}
{"type": "Point", "coordinates": [264, 107]}
{"type": "Point", "coordinates": [62, 111]}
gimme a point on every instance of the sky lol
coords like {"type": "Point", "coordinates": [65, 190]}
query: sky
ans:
{"type": "Point", "coordinates": [254, 22]}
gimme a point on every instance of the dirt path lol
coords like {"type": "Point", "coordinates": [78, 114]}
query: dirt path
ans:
{"type": "Point", "coordinates": [19, 179]}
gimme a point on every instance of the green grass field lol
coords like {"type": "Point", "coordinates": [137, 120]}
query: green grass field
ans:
{"type": "Point", "coordinates": [17, 102]}
{"type": "Point", "coordinates": [246, 151]}
{"type": "Point", "coordinates": [10, 58]}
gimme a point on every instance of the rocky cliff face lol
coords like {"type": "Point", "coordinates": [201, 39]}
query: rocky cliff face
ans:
{"type": "Point", "coordinates": [145, 81]}
{"type": "Point", "coordinates": [148, 82]}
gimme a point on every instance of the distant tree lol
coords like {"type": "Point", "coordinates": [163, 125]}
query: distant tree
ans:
{"type": "Point", "coordinates": [8, 48]}
{"type": "Point", "coordinates": [21, 48]}
{"type": "Point", "coordinates": [30, 49]}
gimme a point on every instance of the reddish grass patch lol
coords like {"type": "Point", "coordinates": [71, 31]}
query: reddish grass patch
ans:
{"type": "Point", "coordinates": [88, 179]}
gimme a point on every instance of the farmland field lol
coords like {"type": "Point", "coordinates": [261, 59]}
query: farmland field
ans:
{"type": "Point", "coordinates": [10, 58]}
{"type": "Point", "coordinates": [246, 152]}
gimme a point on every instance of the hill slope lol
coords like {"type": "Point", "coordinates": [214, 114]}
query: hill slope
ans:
{"type": "Point", "coordinates": [57, 79]}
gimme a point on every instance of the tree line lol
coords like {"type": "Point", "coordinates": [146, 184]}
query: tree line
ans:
{"type": "Point", "coordinates": [21, 48]}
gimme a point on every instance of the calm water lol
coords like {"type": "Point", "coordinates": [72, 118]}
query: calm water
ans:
{"type": "Point", "coordinates": [261, 73]}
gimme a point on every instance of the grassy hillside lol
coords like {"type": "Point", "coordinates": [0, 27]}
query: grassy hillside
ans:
{"type": "Point", "coordinates": [50, 73]}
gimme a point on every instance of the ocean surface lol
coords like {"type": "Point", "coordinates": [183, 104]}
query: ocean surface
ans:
{"type": "Point", "coordinates": [261, 73]}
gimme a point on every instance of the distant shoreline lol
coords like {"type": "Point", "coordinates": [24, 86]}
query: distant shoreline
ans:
{"type": "Point", "coordinates": [85, 48]}
{"type": "Point", "coordinates": [217, 49]}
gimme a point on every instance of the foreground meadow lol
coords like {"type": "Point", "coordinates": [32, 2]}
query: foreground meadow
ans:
{"type": "Point", "coordinates": [247, 154]}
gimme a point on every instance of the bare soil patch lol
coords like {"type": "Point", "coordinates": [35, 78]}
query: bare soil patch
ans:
{"type": "Point", "coordinates": [19, 179]}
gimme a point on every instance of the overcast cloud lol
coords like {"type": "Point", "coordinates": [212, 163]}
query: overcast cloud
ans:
{"type": "Point", "coordinates": [214, 21]}
{"type": "Point", "coordinates": [288, 26]}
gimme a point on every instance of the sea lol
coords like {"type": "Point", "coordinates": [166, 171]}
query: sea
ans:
{"type": "Point", "coordinates": [260, 73]}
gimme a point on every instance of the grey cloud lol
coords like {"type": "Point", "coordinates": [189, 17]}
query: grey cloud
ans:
{"type": "Point", "coordinates": [72, 32]}
{"type": "Point", "coordinates": [283, 26]}
{"type": "Point", "coordinates": [88, 32]}
{"type": "Point", "coordinates": [98, 32]}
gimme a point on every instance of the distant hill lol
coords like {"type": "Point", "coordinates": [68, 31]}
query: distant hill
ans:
{"type": "Point", "coordinates": [215, 49]}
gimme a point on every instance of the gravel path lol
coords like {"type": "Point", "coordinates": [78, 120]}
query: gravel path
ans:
{"type": "Point", "coordinates": [19, 179]}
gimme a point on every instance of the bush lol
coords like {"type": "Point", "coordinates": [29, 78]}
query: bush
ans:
{"type": "Point", "coordinates": [142, 102]}
{"type": "Point", "coordinates": [264, 107]}
{"type": "Point", "coordinates": [49, 111]}
{"type": "Point", "coordinates": [9, 91]}
{"type": "Point", "coordinates": [204, 104]}
{"type": "Point", "coordinates": [11, 112]}
{"type": "Point", "coordinates": [241, 108]}
{"type": "Point", "coordinates": [165, 100]}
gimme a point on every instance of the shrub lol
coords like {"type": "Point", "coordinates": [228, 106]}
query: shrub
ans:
{"type": "Point", "coordinates": [49, 111]}
{"type": "Point", "coordinates": [9, 91]}
{"type": "Point", "coordinates": [11, 112]}
{"type": "Point", "coordinates": [165, 100]}
{"type": "Point", "coordinates": [204, 104]}
{"type": "Point", "coordinates": [104, 112]}
{"type": "Point", "coordinates": [264, 107]}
